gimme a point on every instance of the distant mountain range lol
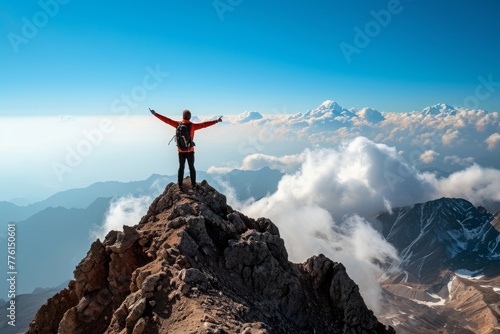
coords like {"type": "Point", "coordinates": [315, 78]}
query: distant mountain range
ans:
{"type": "Point", "coordinates": [330, 113]}
{"type": "Point", "coordinates": [26, 307]}
{"type": "Point", "coordinates": [245, 184]}
{"type": "Point", "coordinates": [54, 234]}
{"type": "Point", "coordinates": [82, 197]}
{"type": "Point", "coordinates": [450, 250]}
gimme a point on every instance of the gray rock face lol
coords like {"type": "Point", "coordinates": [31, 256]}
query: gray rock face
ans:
{"type": "Point", "coordinates": [194, 265]}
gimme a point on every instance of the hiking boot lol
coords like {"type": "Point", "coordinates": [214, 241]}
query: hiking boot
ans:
{"type": "Point", "coordinates": [195, 187]}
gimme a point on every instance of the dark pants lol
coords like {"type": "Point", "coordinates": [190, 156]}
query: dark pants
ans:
{"type": "Point", "coordinates": [182, 162]}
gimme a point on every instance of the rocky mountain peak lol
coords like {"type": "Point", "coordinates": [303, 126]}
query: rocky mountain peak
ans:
{"type": "Point", "coordinates": [446, 233]}
{"type": "Point", "coordinates": [195, 265]}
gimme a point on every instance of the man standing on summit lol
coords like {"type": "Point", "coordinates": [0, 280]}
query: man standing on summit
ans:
{"type": "Point", "coordinates": [185, 145]}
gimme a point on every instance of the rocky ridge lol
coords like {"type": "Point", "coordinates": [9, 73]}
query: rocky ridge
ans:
{"type": "Point", "coordinates": [195, 265]}
{"type": "Point", "coordinates": [450, 282]}
{"type": "Point", "coordinates": [443, 234]}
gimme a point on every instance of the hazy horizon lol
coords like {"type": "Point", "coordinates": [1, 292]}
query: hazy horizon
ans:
{"type": "Point", "coordinates": [51, 154]}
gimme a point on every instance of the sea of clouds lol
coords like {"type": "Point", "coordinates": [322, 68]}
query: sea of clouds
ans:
{"type": "Point", "coordinates": [348, 166]}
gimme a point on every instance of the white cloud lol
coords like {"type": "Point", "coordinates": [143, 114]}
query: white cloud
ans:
{"type": "Point", "coordinates": [443, 129]}
{"type": "Point", "coordinates": [428, 156]}
{"type": "Point", "coordinates": [356, 178]}
{"type": "Point", "coordinates": [492, 141]}
{"type": "Point", "coordinates": [387, 205]}
{"type": "Point", "coordinates": [140, 143]}
{"type": "Point", "coordinates": [476, 184]}
{"type": "Point", "coordinates": [122, 211]}
{"type": "Point", "coordinates": [310, 207]}
{"type": "Point", "coordinates": [449, 136]}
{"type": "Point", "coordinates": [325, 205]}
{"type": "Point", "coordinates": [456, 160]}
{"type": "Point", "coordinates": [247, 116]}
{"type": "Point", "coordinates": [370, 115]}
{"type": "Point", "coordinates": [283, 163]}
{"type": "Point", "coordinates": [219, 170]}
{"type": "Point", "coordinates": [309, 229]}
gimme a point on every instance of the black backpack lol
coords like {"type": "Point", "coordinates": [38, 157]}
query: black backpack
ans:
{"type": "Point", "coordinates": [183, 136]}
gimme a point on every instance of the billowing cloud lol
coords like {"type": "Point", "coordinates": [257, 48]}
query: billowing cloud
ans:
{"type": "Point", "coordinates": [83, 149]}
{"type": "Point", "coordinates": [449, 136]}
{"type": "Point", "coordinates": [283, 163]}
{"type": "Point", "coordinates": [122, 211]}
{"type": "Point", "coordinates": [247, 116]}
{"type": "Point", "coordinates": [326, 206]}
{"type": "Point", "coordinates": [492, 141]}
{"type": "Point", "coordinates": [448, 131]}
{"type": "Point", "coordinates": [428, 156]}
{"type": "Point", "coordinates": [309, 229]}
{"type": "Point", "coordinates": [476, 184]}
{"type": "Point", "coordinates": [456, 160]}
{"type": "Point", "coordinates": [370, 115]}
{"type": "Point", "coordinates": [219, 170]}
{"type": "Point", "coordinates": [320, 207]}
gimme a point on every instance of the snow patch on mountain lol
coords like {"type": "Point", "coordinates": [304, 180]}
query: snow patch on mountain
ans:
{"type": "Point", "coordinates": [469, 274]}
{"type": "Point", "coordinates": [440, 109]}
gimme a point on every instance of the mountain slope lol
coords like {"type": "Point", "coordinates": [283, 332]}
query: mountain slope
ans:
{"type": "Point", "coordinates": [451, 269]}
{"type": "Point", "coordinates": [194, 265]}
{"type": "Point", "coordinates": [246, 183]}
{"type": "Point", "coordinates": [443, 234]}
{"type": "Point", "coordinates": [26, 307]}
{"type": "Point", "coordinates": [55, 237]}
{"type": "Point", "coordinates": [81, 198]}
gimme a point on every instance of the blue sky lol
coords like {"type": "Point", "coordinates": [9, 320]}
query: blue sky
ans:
{"type": "Point", "coordinates": [228, 56]}
{"type": "Point", "coordinates": [79, 63]}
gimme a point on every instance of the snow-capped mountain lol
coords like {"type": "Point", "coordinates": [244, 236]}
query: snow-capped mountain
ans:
{"type": "Point", "coordinates": [329, 108]}
{"type": "Point", "coordinates": [450, 254]}
{"type": "Point", "coordinates": [440, 109]}
{"type": "Point", "coordinates": [443, 234]}
{"type": "Point", "coordinates": [329, 115]}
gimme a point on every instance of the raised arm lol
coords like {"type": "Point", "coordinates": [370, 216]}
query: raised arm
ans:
{"type": "Point", "coordinates": [165, 119]}
{"type": "Point", "coordinates": [205, 124]}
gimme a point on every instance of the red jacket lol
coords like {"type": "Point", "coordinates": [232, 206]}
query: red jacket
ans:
{"type": "Point", "coordinates": [194, 126]}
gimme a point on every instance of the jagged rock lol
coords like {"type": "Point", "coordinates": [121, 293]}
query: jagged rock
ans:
{"type": "Point", "coordinates": [135, 312]}
{"type": "Point", "coordinates": [124, 240]}
{"type": "Point", "coordinates": [51, 313]}
{"type": "Point", "coordinates": [149, 284]}
{"type": "Point", "coordinates": [140, 326]}
{"type": "Point", "coordinates": [92, 272]}
{"type": "Point", "coordinates": [194, 265]}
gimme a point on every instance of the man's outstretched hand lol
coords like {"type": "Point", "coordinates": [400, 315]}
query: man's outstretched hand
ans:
{"type": "Point", "coordinates": [152, 111]}
{"type": "Point", "coordinates": [220, 119]}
